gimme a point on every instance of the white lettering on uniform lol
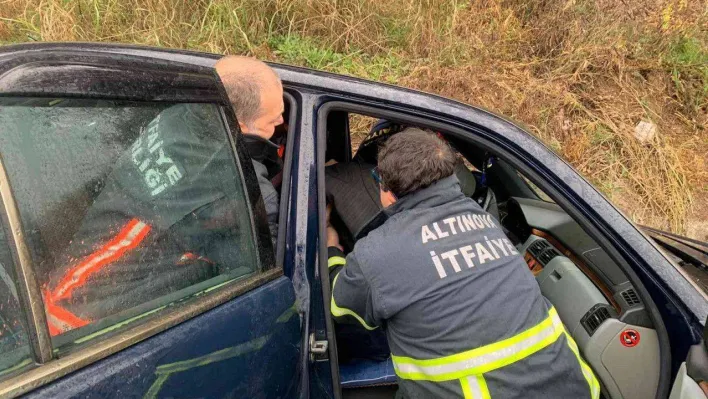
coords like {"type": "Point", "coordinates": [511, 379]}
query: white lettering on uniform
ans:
{"type": "Point", "coordinates": [459, 224]}
{"type": "Point", "coordinates": [441, 234]}
{"type": "Point", "coordinates": [469, 223]}
{"type": "Point", "coordinates": [478, 221]}
{"type": "Point", "coordinates": [158, 190]}
{"type": "Point", "coordinates": [156, 146]}
{"type": "Point", "coordinates": [510, 246]}
{"type": "Point", "coordinates": [499, 243]}
{"type": "Point", "coordinates": [144, 165]}
{"type": "Point", "coordinates": [426, 234]}
{"type": "Point", "coordinates": [152, 133]}
{"type": "Point", "coordinates": [490, 221]}
{"type": "Point", "coordinates": [482, 254]}
{"type": "Point", "coordinates": [467, 253]}
{"type": "Point", "coordinates": [494, 251]}
{"type": "Point", "coordinates": [162, 158]}
{"type": "Point", "coordinates": [450, 222]}
{"type": "Point", "coordinates": [438, 265]}
{"type": "Point", "coordinates": [152, 178]}
{"type": "Point", "coordinates": [160, 171]}
{"type": "Point", "coordinates": [450, 255]}
{"type": "Point", "coordinates": [173, 174]}
{"type": "Point", "coordinates": [137, 149]}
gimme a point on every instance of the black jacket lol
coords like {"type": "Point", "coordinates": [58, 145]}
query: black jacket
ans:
{"type": "Point", "coordinates": [166, 219]}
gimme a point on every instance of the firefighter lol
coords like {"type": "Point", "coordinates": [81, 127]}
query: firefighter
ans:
{"type": "Point", "coordinates": [163, 221]}
{"type": "Point", "coordinates": [463, 315]}
{"type": "Point", "coordinates": [166, 217]}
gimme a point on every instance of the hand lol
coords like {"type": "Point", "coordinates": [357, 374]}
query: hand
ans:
{"type": "Point", "coordinates": [332, 235]}
{"type": "Point", "coordinates": [704, 387]}
{"type": "Point", "coordinates": [333, 238]}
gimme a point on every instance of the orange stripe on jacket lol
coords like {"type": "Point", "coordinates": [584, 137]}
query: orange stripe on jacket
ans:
{"type": "Point", "coordinates": [128, 238]}
{"type": "Point", "coordinates": [59, 319]}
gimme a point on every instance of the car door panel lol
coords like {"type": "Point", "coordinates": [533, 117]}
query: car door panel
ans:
{"type": "Point", "coordinates": [235, 350]}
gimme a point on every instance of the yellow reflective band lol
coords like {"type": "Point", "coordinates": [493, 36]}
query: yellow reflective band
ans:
{"type": "Point", "coordinates": [339, 312]}
{"type": "Point", "coordinates": [466, 390]}
{"type": "Point", "coordinates": [587, 371]}
{"type": "Point", "coordinates": [335, 261]}
{"type": "Point", "coordinates": [475, 387]}
{"type": "Point", "coordinates": [484, 359]}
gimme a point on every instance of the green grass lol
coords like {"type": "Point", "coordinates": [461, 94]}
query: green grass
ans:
{"type": "Point", "coordinates": [687, 59]}
{"type": "Point", "coordinates": [305, 51]}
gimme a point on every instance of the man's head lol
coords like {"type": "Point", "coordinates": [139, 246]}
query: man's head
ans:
{"type": "Point", "coordinates": [255, 92]}
{"type": "Point", "coordinates": [412, 160]}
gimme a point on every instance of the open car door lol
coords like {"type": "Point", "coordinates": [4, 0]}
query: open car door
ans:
{"type": "Point", "coordinates": [128, 173]}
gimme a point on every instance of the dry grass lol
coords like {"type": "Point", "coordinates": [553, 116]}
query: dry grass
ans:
{"type": "Point", "coordinates": [579, 74]}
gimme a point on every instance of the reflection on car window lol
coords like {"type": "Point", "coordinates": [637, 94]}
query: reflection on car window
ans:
{"type": "Point", "coordinates": [542, 195]}
{"type": "Point", "coordinates": [14, 345]}
{"type": "Point", "coordinates": [128, 206]}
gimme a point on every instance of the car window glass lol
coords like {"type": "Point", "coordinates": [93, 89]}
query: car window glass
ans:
{"type": "Point", "coordinates": [540, 193]}
{"type": "Point", "coordinates": [127, 207]}
{"type": "Point", "coordinates": [14, 344]}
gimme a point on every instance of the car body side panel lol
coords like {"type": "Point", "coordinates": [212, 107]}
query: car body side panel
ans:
{"type": "Point", "coordinates": [246, 348]}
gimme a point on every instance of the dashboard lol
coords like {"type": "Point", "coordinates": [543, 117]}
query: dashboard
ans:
{"type": "Point", "coordinates": [594, 299]}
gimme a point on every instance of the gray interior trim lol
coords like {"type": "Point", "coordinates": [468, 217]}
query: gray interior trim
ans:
{"type": "Point", "coordinates": [58, 368]}
{"type": "Point", "coordinates": [626, 372]}
{"type": "Point", "coordinates": [571, 292]}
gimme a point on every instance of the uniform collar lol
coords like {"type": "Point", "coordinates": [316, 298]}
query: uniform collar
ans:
{"type": "Point", "coordinates": [439, 193]}
{"type": "Point", "coordinates": [260, 149]}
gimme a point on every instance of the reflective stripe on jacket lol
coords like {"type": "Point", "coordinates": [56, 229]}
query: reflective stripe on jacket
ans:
{"type": "Point", "coordinates": [463, 315]}
{"type": "Point", "coordinates": [162, 222]}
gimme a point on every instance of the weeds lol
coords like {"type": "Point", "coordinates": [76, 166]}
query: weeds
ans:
{"type": "Point", "coordinates": [579, 74]}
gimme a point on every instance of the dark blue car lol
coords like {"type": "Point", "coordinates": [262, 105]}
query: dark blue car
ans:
{"type": "Point", "coordinates": [258, 325]}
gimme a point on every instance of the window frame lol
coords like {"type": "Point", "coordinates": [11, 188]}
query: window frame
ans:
{"type": "Point", "coordinates": [47, 365]}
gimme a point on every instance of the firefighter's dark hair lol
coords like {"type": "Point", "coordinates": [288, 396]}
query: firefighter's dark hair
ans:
{"type": "Point", "coordinates": [414, 159]}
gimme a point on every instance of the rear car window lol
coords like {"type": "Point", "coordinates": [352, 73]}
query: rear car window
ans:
{"type": "Point", "coordinates": [128, 207]}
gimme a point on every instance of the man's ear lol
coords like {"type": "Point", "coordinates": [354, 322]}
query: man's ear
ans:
{"type": "Point", "coordinates": [387, 198]}
{"type": "Point", "coordinates": [244, 128]}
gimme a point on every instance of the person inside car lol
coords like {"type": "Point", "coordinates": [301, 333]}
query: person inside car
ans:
{"type": "Point", "coordinates": [353, 193]}
{"type": "Point", "coordinates": [354, 208]}
{"type": "Point", "coordinates": [165, 218]}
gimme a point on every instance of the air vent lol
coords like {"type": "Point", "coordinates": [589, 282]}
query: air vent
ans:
{"type": "Point", "coordinates": [594, 318]}
{"type": "Point", "coordinates": [547, 255]}
{"type": "Point", "coordinates": [631, 297]}
{"type": "Point", "coordinates": [539, 246]}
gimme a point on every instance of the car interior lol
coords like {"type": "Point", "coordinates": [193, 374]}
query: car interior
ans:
{"type": "Point", "coordinates": [596, 301]}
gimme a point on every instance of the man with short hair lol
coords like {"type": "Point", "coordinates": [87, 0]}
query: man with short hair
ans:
{"type": "Point", "coordinates": [256, 94]}
{"type": "Point", "coordinates": [463, 315]}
